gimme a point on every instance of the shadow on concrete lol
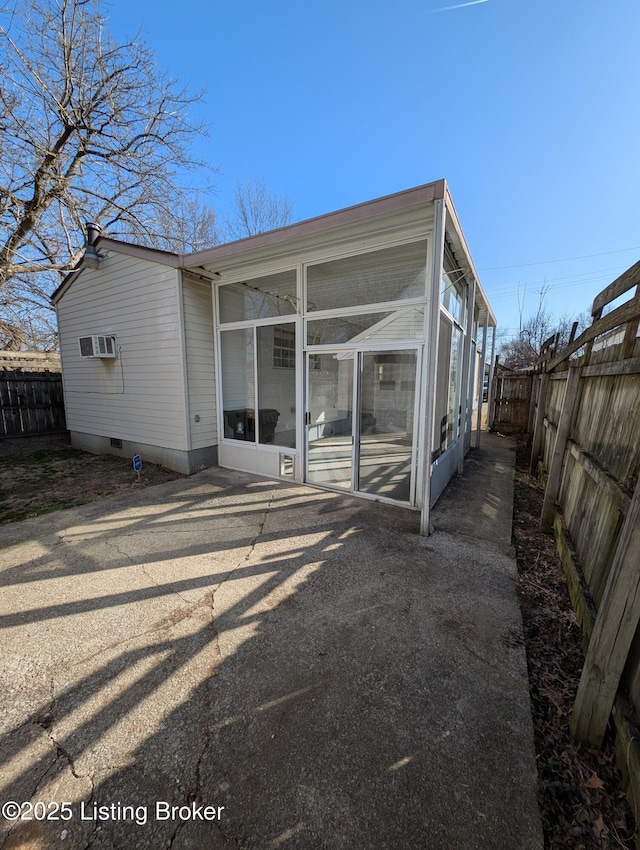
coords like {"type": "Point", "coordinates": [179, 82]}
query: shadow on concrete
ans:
{"type": "Point", "coordinates": [302, 659]}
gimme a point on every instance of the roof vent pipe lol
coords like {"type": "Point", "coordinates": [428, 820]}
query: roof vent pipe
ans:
{"type": "Point", "coordinates": [91, 256]}
{"type": "Point", "coordinates": [93, 231]}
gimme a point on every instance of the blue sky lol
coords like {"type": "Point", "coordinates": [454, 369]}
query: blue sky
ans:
{"type": "Point", "coordinates": [530, 110]}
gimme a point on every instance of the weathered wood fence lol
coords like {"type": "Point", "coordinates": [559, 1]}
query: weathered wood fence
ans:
{"type": "Point", "coordinates": [31, 403]}
{"type": "Point", "coordinates": [511, 398]}
{"type": "Point", "coordinates": [30, 361]}
{"type": "Point", "coordinates": [585, 417]}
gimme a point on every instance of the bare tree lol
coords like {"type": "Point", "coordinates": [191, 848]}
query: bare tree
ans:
{"type": "Point", "coordinates": [191, 226]}
{"type": "Point", "coordinates": [523, 349]}
{"type": "Point", "coordinates": [91, 130]}
{"type": "Point", "coordinates": [255, 210]}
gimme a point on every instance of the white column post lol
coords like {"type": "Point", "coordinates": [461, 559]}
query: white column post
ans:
{"type": "Point", "coordinates": [490, 398]}
{"type": "Point", "coordinates": [485, 330]}
{"type": "Point", "coordinates": [465, 382]}
{"type": "Point", "coordinates": [430, 361]}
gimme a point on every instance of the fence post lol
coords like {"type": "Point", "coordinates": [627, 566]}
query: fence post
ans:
{"type": "Point", "coordinates": [612, 635]}
{"type": "Point", "coordinates": [539, 423]}
{"type": "Point", "coordinates": [629, 341]}
{"type": "Point", "coordinates": [491, 395]}
{"type": "Point", "coordinates": [535, 386]}
{"type": "Point", "coordinates": [562, 435]}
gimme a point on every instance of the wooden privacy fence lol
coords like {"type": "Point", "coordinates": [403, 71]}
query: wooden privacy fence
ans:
{"type": "Point", "coordinates": [30, 361]}
{"type": "Point", "coordinates": [511, 397]}
{"type": "Point", "coordinates": [31, 403]}
{"type": "Point", "coordinates": [586, 441]}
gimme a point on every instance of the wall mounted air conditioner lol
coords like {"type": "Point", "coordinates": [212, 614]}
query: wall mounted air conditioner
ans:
{"type": "Point", "coordinates": [97, 346]}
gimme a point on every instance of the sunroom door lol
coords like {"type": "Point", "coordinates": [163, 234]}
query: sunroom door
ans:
{"type": "Point", "coordinates": [373, 451]}
{"type": "Point", "coordinates": [329, 427]}
{"type": "Point", "coordinates": [386, 410]}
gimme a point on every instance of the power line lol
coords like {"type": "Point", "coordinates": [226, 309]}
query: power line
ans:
{"type": "Point", "coordinates": [591, 276]}
{"type": "Point", "coordinates": [509, 293]}
{"type": "Point", "coordinates": [562, 260]}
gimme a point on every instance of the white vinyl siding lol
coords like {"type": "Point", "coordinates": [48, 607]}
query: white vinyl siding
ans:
{"type": "Point", "coordinates": [139, 395]}
{"type": "Point", "coordinates": [201, 378]}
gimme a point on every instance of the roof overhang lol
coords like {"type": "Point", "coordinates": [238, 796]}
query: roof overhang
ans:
{"type": "Point", "coordinates": [322, 228]}
{"type": "Point", "coordinates": [367, 217]}
{"type": "Point", "coordinates": [103, 245]}
{"type": "Point", "coordinates": [463, 255]}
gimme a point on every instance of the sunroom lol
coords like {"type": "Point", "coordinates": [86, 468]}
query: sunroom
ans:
{"type": "Point", "coordinates": [350, 349]}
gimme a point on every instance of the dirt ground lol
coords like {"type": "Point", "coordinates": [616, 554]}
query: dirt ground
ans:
{"type": "Point", "coordinates": [580, 794]}
{"type": "Point", "coordinates": [43, 474]}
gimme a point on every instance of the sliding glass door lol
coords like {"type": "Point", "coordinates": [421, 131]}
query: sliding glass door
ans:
{"type": "Point", "coordinates": [330, 419]}
{"type": "Point", "coordinates": [372, 452]}
{"type": "Point", "coordinates": [387, 383]}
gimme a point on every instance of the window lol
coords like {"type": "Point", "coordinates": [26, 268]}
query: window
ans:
{"type": "Point", "coordinates": [258, 298]}
{"type": "Point", "coordinates": [238, 384]}
{"type": "Point", "coordinates": [405, 323]}
{"type": "Point", "coordinates": [452, 287]}
{"type": "Point", "coordinates": [262, 410]}
{"type": "Point", "coordinates": [392, 274]}
{"type": "Point", "coordinates": [284, 348]}
{"type": "Point", "coordinates": [276, 346]}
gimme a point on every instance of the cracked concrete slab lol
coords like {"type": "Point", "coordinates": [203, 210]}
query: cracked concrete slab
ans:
{"type": "Point", "coordinates": [300, 663]}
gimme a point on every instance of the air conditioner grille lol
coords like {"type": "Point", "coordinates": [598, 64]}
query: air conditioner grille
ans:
{"type": "Point", "coordinates": [86, 346]}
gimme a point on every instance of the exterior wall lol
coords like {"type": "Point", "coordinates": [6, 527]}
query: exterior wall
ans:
{"type": "Point", "coordinates": [358, 238]}
{"type": "Point", "coordinates": [186, 462]}
{"type": "Point", "coordinates": [139, 396]}
{"type": "Point", "coordinates": [200, 362]}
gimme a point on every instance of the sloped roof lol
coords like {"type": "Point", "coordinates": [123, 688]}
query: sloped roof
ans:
{"type": "Point", "coordinates": [205, 262]}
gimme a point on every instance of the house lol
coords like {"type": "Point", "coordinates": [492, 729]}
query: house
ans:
{"type": "Point", "coordinates": [340, 351]}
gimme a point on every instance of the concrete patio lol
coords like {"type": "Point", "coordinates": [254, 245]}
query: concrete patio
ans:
{"type": "Point", "coordinates": [287, 667]}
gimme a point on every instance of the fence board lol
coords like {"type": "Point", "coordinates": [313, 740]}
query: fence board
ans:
{"type": "Point", "coordinates": [593, 522]}
{"type": "Point", "coordinates": [539, 429]}
{"type": "Point", "coordinates": [624, 367]}
{"type": "Point", "coordinates": [628, 279]}
{"type": "Point", "coordinates": [512, 398]}
{"type": "Point", "coordinates": [620, 316]}
{"type": "Point", "coordinates": [606, 426]}
{"type": "Point", "coordinates": [556, 457]}
{"type": "Point", "coordinates": [609, 647]}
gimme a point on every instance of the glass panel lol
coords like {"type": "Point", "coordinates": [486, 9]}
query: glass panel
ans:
{"type": "Point", "coordinates": [405, 324]}
{"type": "Point", "coordinates": [454, 410]}
{"type": "Point", "coordinates": [441, 420]}
{"type": "Point", "coordinates": [277, 385]}
{"type": "Point", "coordinates": [260, 298]}
{"type": "Point", "coordinates": [329, 430]}
{"type": "Point", "coordinates": [238, 384]}
{"type": "Point", "coordinates": [387, 395]}
{"type": "Point", "coordinates": [452, 297]}
{"type": "Point", "coordinates": [392, 274]}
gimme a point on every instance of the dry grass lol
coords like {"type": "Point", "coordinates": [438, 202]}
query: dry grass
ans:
{"type": "Point", "coordinates": [39, 475]}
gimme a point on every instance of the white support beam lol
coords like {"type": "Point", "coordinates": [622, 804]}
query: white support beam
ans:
{"type": "Point", "coordinates": [485, 330]}
{"type": "Point", "coordinates": [465, 382]}
{"type": "Point", "coordinates": [492, 367]}
{"type": "Point", "coordinates": [430, 361]}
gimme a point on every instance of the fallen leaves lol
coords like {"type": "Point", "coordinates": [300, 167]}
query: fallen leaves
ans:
{"type": "Point", "coordinates": [581, 800]}
{"type": "Point", "coordinates": [594, 781]}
